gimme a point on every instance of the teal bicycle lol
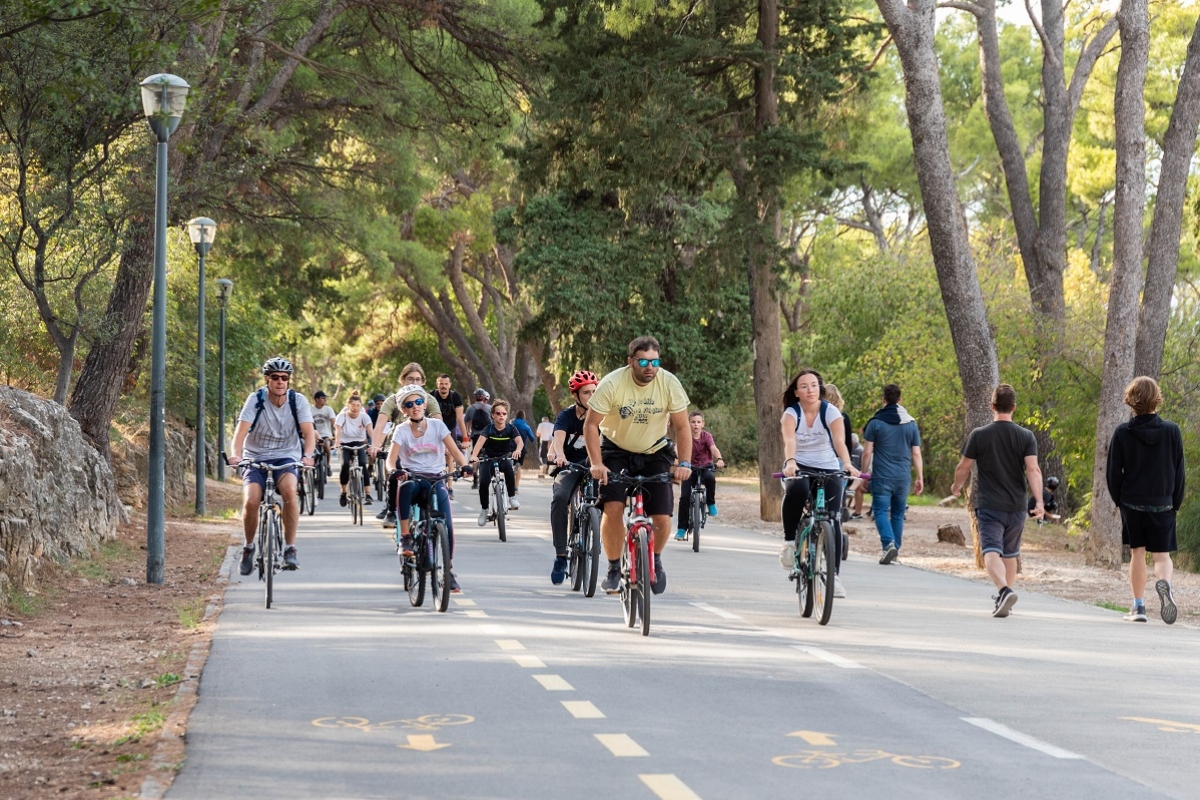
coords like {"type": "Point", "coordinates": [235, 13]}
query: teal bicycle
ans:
{"type": "Point", "coordinates": [816, 549]}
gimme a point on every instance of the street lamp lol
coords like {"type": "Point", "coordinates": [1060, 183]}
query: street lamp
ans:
{"type": "Point", "coordinates": [163, 100]}
{"type": "Point", "coordinates": [224, 288]}
{"type": "Point", "coordinates": [202, 232]}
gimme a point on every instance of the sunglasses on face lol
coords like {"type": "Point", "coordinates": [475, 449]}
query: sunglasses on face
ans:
{"type": "Point", "coordinates": [499, 413]}
{"type": "Point", "coordinates": [649, 362]}
{"type": "Point", "coordinates": [282, 377]}
{"type": "Point", "coordinates": [420, 401]}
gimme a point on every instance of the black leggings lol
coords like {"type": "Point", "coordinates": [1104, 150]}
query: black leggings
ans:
{"type": "Point", "coordinates": [685, 493]}
{"type": "Point", "coordinates": [796, 495]}
{"type": "Point", "coordinates": [363, 461]}
{"type": "Point", "coordinates": [486, 468]}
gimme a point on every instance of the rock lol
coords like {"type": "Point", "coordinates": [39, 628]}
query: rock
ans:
{"type": "Point", "coordinates": [31, 653]}
{"type": "Point", "coordinates": [850, 530]}
{"type": "Point", "coordinates": [131, 581]}
{"type": "Point", "coordinates": [951, 534]}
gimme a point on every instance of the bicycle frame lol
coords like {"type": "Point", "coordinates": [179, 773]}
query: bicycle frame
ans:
{"type": "Point", "coordinates": [637, 524]}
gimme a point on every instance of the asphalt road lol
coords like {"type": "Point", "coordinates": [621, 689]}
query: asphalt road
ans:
{"type": "Point", "coordinates": [527, 690]}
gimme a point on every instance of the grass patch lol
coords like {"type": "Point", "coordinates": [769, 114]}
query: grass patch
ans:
{"type": "Point", "coordinates": [167, 679]}
{"type": "Point", "coordinates": [24, 603]}
{"type": "Point", "coordinates": [143, 725]}
{"type": "Point", "coordinates": [125, 758]}
{"type": "Point", "coordinates": [96, 568]}
{"type": "Point", "coordinates": [1111, 606]}
{"type": "Point", "coordinates": [191, 613]}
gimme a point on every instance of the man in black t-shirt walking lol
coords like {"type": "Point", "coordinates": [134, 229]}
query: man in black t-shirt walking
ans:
{"type": "Point", "coordinates": [1006, 455]}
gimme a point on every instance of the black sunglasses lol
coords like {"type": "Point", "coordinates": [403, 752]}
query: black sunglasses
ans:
{"type": "Point", "coordinates": [420, 401]}
{"type": "Point", "coordinates": [280, 377]}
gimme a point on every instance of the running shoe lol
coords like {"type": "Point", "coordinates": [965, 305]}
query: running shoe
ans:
{"type": "Point", "coordinates": [454, 587]}
{"type": "Point", "coordinates": [247, 560]}
{"type": "Point", "coordinates": [839, 591]}
{"type": "Point", "coordinates": [514, 504]}
{"type": "Point", "coordinates": [559, 572]}
{"type": "Point", "coordinates": [612, 581]}
{"type": "Point", "coordinates": [1169, 612]}
{"type": "Point", "coordinates": [660, 576]}
{"type": "Point", "coordinates": [289, 558]}
{"type": "Point", "coordinates": [681, 535]}
{"type": "Point", "coordinates": [787, 556]}
{"type": "Point", "coordinates": [343, 501]}
{"type": "Point", "coordinates": [889, 555]}
{"type": "Point", "coordinates": [367, 501]}
{"type": "Point", "coordinates": [483, 517]}
{"type": "Point", "coordinates": [712, 509]}
{"type": "Point", "coordinates": [1136, 614]}
{"type": "Point", "coordinates": [383, 513]}
{"type": "Point", "coordinates": [389, 520]}
{"type": "Point", "coordinates": [406, 544]}
{"type": "Point", "coordinates": [1004, 602]}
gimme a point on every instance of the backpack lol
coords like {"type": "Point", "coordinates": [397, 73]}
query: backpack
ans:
{"type": "Point", "coordinates": [820, 415]}
{"type": "Point", "coordinates": [478, 419]}
{"type": "Point", "coordinates": [261, 403]}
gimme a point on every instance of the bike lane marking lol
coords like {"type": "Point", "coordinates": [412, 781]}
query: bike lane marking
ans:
{"type": "Point", "coordinates": [621, 745]}
{"type": "Point", "coordinates": [475, 613]}
{"type": "Point", "coordinates": [720, 612]}
{"type": "Point", "coordinates": [528, 661]}
{"type": "Point", "coordinates": [832, 658]}
{"type": "Point", "coordinates": [463, 601]}
{"type": "Point", "coordinates": [668, 787]}
{"type": "Point", "coordinates": [1020, 738]}
{"type": "Point", "coordinates": [583, 709]}
{"type": "Point", "coordinates": [554, 683]}
{"type": "Point", "coordinates": [509, 644]}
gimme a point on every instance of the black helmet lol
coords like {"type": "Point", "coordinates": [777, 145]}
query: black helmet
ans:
{"type": "Point", "coordinates": [1052, 483]}
{"type": "Point", "coordinates": [379, 398]}
{"type": "Point", "coordinates": [277, 364]}
{"type": "Point", "coordinates": [319, 393]}
{"type": "Point", "coordinates": [481, 394]}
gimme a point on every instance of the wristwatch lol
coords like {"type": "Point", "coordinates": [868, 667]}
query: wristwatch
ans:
{"type": "Point", "coordinates": [685, 464]}
{"type": "Point", "coordinates": [308, 455]}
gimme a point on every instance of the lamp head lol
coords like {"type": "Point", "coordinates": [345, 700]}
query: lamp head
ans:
{"type": "Point", "coordinates": [163, 99]}
{"type": "Point", "coordinates": [202, 231]}
{"type": "Point", "coordinates": [224, 289]}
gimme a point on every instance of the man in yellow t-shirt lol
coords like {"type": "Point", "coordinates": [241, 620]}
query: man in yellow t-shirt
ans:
{"type": "Point", "coordinates": [626, 429]}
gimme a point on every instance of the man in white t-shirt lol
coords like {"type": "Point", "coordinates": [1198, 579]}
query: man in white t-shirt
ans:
{"type": "Point", "coordinates": [353, 427]}
{"type": "Point", "coordinates": [323, 419]}
{"type": "Point", "coordinates": [545, 435]}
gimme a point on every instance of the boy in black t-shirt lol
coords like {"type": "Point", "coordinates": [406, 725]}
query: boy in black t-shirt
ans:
{"type": "Point", "coordinates": [496, 441]}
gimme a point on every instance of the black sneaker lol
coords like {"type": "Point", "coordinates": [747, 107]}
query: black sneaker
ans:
{"type": "Point", "coordinates": [289, 558]}
{"type": "Point", "coordinates": [1004, 602]}
{"type": "Point", "coordinates": [889, 555]}
{"type": "Point", "coordinates": [406, 543]}
{"type": "Point", "coordinates": [660, 576]}
{"type": "Point", "coordinates": [367, 501]}
{"type": "Point", "coordinates": [612, 581]}
{"type": "Point", "coordinates": [383, 512]}
{"type": "Point", "coordinates": [247, 560]}
{"type": "Point", "coordinates": [1169, 612]}
{"type": "Point", "coordinates": [343, 501]}
{"type": "Point", "coordinates": [559, 572]}
{"type": "Point", "coordinates": [389, 520]}
{"type": "Point", "coordinates": [454, 587]}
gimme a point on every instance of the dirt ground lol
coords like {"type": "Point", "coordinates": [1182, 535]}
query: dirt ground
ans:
{"type": "Point", "coordinates": [1052, 561]}
{"type": "Point", "coordinates": [91, 666]}
{"type": "Point", "coordinates": [97, 663]}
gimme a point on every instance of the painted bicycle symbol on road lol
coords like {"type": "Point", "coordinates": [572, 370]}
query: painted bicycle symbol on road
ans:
{"type": "Point", "coordinates": [428, 722]}
{"type": "Point", "coordinates": [826, 759]}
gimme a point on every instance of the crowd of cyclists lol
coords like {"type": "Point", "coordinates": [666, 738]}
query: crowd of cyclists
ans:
{"type": "Point", "coordinates": [635, 420]}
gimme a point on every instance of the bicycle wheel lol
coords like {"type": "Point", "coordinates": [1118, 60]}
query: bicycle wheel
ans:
{"type": "Point", "coordinates": [629, 601]}
{"type": "Point", "coordinates": [575, 548]}
{"type": "Point", "coordinates": [591, 547]}
{"type": "Point", "coordinates": [824, 571]}
{"type": "Point", "coordinates": [804, 586]}
{"type": "Point", "coordinates": [500, 506]}
{"type": "Point", "coordinates": [643, 579]}
{"type": "Point", "coordinates": [697, 519]}
{"type": "Point", "coordinates": [310, 492]}
{"type": "Point", "coordinates": [272, 535]}
{"type": "Point", "coordinates": [261, 548]}
{"type": "Point", "coordinates": [416, 586]}
{"type": "Point", "coordinates": [319, 477]}
{"type": "Point", "coordinates": [439, 571]}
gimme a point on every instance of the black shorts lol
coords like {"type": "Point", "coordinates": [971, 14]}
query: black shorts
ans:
{"type": "Point", "coordinates": [1153, 530]}
{"type": "Point", "coordinates": [657, 498]}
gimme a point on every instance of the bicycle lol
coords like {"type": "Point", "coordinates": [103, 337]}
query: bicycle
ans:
{"type": "Point", "coordinates": [499, 491]}
{"type": "Point", "coordinates": [583, 533]}
{"type": "Point", "coordinates": [816, 552]}
{"type": "Point", "coordinates": [379, 479]}
{"type": "Point", "coordinates": [699, 506]}
{"type": "Point", "coordinates": [320, 470]}
{"type": "Point", "coordinates": [637, 565]}
{"type": "Point", "coordinates": [354, 493]}
{"type": "Point", "coordinates": [430, 550]}
{"type": "Point", "coordinates": [308, 490]}
{"type": "Point", "coordinates": [269, 541]}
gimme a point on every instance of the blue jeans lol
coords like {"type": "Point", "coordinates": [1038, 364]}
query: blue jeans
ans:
{"type": "Point", "coordinates": [889, 498]}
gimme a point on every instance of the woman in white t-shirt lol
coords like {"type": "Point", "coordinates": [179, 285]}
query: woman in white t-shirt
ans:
{"type": "Point", "coordinates": [353, 428]}
{"type": "Point", "coordinates": [422, 445]}
{"type": "Point", "coordinates": [814, 440]}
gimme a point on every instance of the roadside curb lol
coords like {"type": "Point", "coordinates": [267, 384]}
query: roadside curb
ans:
{"type": "Point", "coordinates": [173, 732]}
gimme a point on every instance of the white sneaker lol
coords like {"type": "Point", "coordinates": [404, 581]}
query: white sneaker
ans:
{"type": "Point", "coordinates": [483, 518]}
{"type": "Point", "coordinates": [787, 556]}
{"type": "Point", "coordinates": [838, 590]}
{"type": "Point", "coordinates": [513, 504]}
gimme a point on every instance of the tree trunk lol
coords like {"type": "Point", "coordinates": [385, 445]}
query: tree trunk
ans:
{"type": "Point", "coordinates": [912, 27]}
{"type": "Point", "coordinates": [1179, 142]}
{"type": "Point", "coordinates": [99, 386]}
{"type": "Point", "coordinates": [1104, 540]}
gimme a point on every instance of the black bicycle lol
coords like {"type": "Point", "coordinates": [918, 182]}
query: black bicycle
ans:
{"type": "Point", "coordinates": [379, 478]}
{"type": "Point", "coordinates": [698, 503]}
{"type": "Point", "coordinates": [499, 489]}
{"type": "Point", "coordinates": [583, 532]}
{"type": "Point", "coordinates": [307, 488]}
{"type": "Point", "coordinates": [430, 554]}
{"type": "Point", "coordinates": [815, 567]}
{"type": "Point", "coordinates": [269, 542]}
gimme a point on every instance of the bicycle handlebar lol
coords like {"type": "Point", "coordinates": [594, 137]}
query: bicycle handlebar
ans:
{"type": "Point", "coordinates": [841, 473]}
{"type": "Point", "coordinates": [270, 467]}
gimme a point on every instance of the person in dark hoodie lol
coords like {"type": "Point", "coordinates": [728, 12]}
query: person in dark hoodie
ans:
{"type": "Point", "coordinates": [1145, 479]}
{"type": "Point", "coordinates": [891, 452]}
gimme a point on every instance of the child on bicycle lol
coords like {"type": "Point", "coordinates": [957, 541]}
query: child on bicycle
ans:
{"type": "Point", "coordinates": [422, 444]}
{"type": "Point", "coordinates": [496, 441]}
{"type": "Point", "coordinates": [704, 455]}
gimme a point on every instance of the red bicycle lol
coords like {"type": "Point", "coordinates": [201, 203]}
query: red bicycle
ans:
{"type": "Point", "coordinates": [637, 565]}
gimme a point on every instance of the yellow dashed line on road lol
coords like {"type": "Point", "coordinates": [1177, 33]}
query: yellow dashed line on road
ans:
{"type": "Point", "coordinates": [582, 709]}
{"type": "Point", "coordinates": [554, 683]}
{"type": "Point", "coordinates": [668, 787]}
{"type": "Point", "coordinates": [621, 746]}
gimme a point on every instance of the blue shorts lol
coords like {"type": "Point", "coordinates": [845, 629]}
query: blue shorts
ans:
{"type": "Point", "coordinates": [251, 475]}
{"type": "Point", "coordinates": [1000, 531]}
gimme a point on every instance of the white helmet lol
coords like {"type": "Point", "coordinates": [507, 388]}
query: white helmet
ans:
{"type": "Point", "coordinates": [408, 389]}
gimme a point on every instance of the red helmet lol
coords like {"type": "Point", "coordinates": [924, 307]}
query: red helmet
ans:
{"type": "Point", "coordinates": [581, 379]}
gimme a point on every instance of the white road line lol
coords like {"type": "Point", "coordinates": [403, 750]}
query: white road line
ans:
{"type": "Point", "coordinates": [463, 601]}
{"type": "Point", "coordinates": [621, 746]}
{"type": "Point", "coordinates": [832, 658]}
{"type": "Point", "coordinates": [509, 644]}
{"type": "Point", "coordinates": [720, 612]}
{"type": "Point", "coordinates": [583, 709]}
{"type": "Point", "coordinates": [475, 612]}
{"type": "Point", "coordinates": [532, 662]}
{"type": "Point", "coordinates": [668, 787]}
{"type": "Point", "coordinates": [554, 683]}
{"type": "Point", "coordinates": [1020, 738]}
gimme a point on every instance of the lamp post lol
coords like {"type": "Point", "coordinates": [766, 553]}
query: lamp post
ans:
{"type": "Point", "coordinates": [202, 231]}
{"type": "Point", "coordinates": [163, 99]}
{"type": "Point", "coordinates": [224, 287]}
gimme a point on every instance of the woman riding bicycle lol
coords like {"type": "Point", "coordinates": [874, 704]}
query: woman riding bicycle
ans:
{"type": "Point", "coordinates": [498, 440]}
{"type": "Point", "coordinates": [422, 445]}
{"type": "Point", "coordinates": [814, 440]}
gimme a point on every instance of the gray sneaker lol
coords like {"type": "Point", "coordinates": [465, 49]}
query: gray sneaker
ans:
{"type": "Point", "coordinates": [289, 558]}
{"type": "Point", "coordinates": [247, 560]}
{"type": "Point", "coordinates": [1169, 612]}
{"type": "Point", "coordinates": [612, 581]}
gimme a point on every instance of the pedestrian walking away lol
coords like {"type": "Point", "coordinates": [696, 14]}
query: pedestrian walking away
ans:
{"type": "Point", "coordinates": [1005, 455]}
{"type": "Point", "coordinates": [1145, 477]}
{"type": "Point", "coordinates": [891, 454]}
{"type": "Point", "coordinates": [545, 435]}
